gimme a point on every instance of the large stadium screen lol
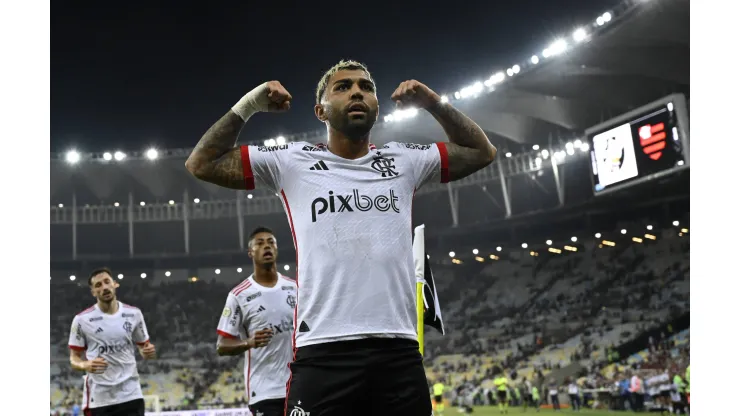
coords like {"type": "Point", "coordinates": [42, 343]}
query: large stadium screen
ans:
{"type": "Point", "coordinates": [639, 146]}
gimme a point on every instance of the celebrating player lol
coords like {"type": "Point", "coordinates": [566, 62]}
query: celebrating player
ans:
{"type": "Point", "coordinates": [349, 207]}
{"type": "Point", "coordinates": [257, 321]}
{"type": "Point", "coordinates": [102, 343]}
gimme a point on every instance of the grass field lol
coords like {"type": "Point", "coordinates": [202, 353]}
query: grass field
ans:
{"type": "Point", "coordinates": [517, 411]}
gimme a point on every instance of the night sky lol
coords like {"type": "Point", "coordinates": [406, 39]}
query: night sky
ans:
{"type": "Point", "coordinates": [127, 76]}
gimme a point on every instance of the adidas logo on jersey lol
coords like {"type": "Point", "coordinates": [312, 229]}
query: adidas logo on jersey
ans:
{"type": "Point", "coordinates": [355, 201]}
{"type": "Point", "coordinates": [319, 166]}
{"type": "Point", "coordinates": [99, 330]}
{"type": "Point", "coordinates": [260, 309]}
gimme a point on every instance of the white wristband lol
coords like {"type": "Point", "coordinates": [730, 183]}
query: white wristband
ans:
{"type": "Point", "coordinates": [254, 101]}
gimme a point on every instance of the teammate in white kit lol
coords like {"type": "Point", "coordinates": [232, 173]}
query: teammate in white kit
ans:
{"type": "Point", "coordinates": [349, 207]}
{"type": "Point", "coordinates": [257, 321]}
{"type": "Point", "coordinates": [102, 342]}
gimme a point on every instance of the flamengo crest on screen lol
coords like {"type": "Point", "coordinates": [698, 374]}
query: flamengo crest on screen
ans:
{"type": "Point", "coordinates": [652, 140]}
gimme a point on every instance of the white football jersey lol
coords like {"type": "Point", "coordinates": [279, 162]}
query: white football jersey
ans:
{"type": "Point", "coordinates": [352, 230]}
{"type": "Point", "coordinates": [112, 337]}
{"type": "Point", "coordinates": [251, 307]}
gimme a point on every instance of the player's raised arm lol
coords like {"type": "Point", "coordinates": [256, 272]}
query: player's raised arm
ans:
{"type": "Point", "coordinates": [469, 149]}
{"type": "Point", "coordinates": [215, 158]}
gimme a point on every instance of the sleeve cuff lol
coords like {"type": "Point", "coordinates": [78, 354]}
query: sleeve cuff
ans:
{"type": "Point", "coordinates": [141, 344]}
{"type": "Point", "coordinates": [444, 163]}
{"type": "Point", "coordinates": [247, 168]}
{"type": "Point", "coordinates": [226, 334]}
{"type": "Point", "coordinates": [77, 348]}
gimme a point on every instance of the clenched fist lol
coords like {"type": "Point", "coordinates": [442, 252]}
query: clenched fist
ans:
{"type": "Point", "coordinates": [148, 351]}
{"type": "Point", "coordinates": [278, 97]}
{"type": "Point", "coordinates": [260, 338]}
{"type": "Point", "coordinates": [96, 366]}
{"type": "Point", "coordinates": [413, 93]}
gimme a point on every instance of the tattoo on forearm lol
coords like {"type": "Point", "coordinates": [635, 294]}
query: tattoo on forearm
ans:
{"type": "Point", "coordinates": [215, 159]}
{"type": "Point", "coordinates": [469, 149]}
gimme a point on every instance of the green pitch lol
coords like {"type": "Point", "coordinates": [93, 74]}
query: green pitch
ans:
{"type": "Point", "coordinates": [517, 411]}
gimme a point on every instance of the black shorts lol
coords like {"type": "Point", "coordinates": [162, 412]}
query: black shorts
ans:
{"type": "Point", "coordinates": [359, 377]}
{"type": "Point", "coordinates": [501, 394]}
{"type": "Point", "coordinates": [269, 407]}
{"type": "Point", "coordinates": [437, 399]}
{"type": "Point", "coordinates": [132, 408]}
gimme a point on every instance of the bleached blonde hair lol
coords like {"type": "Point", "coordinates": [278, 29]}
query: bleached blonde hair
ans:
{"type": "Point", "coordinates": [342, 65]}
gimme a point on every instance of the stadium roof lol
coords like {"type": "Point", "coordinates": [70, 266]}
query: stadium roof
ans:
{"type": "Point", "coordinates": [639, 56]}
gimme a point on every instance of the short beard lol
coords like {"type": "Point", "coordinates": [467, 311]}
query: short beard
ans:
{"type": "Point", "coordinates": [353, 131]}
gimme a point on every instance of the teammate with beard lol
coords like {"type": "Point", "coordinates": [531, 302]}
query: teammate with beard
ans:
{"type": "Point", "coordinates": [102, 343]}
{"type": "Point", "coordinates": [257, 321]}
{"type": "Point", "coordinates": [348, 204]}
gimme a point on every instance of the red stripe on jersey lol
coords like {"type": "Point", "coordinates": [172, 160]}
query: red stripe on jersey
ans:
{"type": "Point", "coordinates": [249, 371]}
{"type": "Point", "coordinates": [226, 334]}
{"type": "Point", "coordinates": [242, 289]}
{"type": "Point", "coordinates": [288, 278]}
{"type": "Point", "coordinates": [247, 168]}
{"type": "Point", "coordinates": [129, 306]}
{"type": "Point", "coordinates": [295, 310]}
{"type": "Point", "coordinates": [141, 344]}
{"type": "Point", "coordinates": [372, 146]}
{"type": "Point", "coordinates": [239, 286]}
{"type": "Point", "coordinates": [444, 162]}
{"type": "Point", "coordinates": [76, 348]}
{"type": "Point", "coordinates": [90, 309]}
{"type": "Point", "coordinates": [87, 387]}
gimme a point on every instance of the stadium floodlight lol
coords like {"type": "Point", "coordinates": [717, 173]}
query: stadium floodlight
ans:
{"type": "Point", "coordinates": [579, 35]}
{"type": "Point", "coordinates": [61, 205]}
{"type": "Point", "coordinates": [516, 69]}
{"type": "Point", "coordinates": [670, 106]}
{"type": "Point", "coordinates": [569, 146]}
{"type": "Point", "coordinates": [488, 82]}
{"type": "Point", "coordinates": [152, 154]}
{"type": "Point", "coordinates": [107, 156]}
{"type": "Point", "coordinates": [120, 276]}
{"type": "Point", "coordinates": [498, 248]}
{"type": "Point", "coordinates": [570, 151]}
{"type": "Point", "coordinates": [574, 239]}
{"type": "Point", "coordinates": [536, 147]}
{"type": "Point", "coordinates": [217, 271]}
{"type": "Point", "coordinates": [680, 163]}
{"type": "Point", "coordinates": [558, 47]}
{"type": "Point", "coordinates": [548, 242]}
{"type": "Point", "coordinates": [280, 140]}
{"type": "Point", "coordinates": [472, 90]}
{"type": "Point", "coordinates": [452, 254]}
{"type": "Point", "coordinates": [508, 154]}
{"type": "Point", "coordinates": [545, 154]}
{"type": "Point", "coordinates": [73, 157]}
{"type": "Point", "coordinates": [196, 200]}
{"type": "Point", "coordinates": [444, 99]}
{"type": "Point", "coordinates": [171, 202]}
{"type": "Point", "coordinates": [607, 17]}
{"type": "Point", "coordinates": [119, 156]}
{"type": "Point", "coordinates": [475, 251]}
{"type": "Point", "coordinates": [560, 155]}
{"type": "Point", "coordinates": [585, 147]}
{"type": "Point", "coordinates": [457, 95]}
{"type": "Point", "coordinates": [624, 231]}
{"type": "Point", "coordinates": [577, 143]}
{"type": "Point", "coordinates": [388, 118]}
{"type": "Point", "coordinates": [142, 203]}
{"type": "Point", "coordinates": [270, 142]}
{"type": "Point", "coordinates": [538, 161]}
{"type": "Point", "coordinates": [600, 21]}
{"type": "Point", "coordinates": [597, 235]}
{"type": "Point", "coordinates": [498, 77]}
{"type": "Point", "coordinates": [115, 204]}
{"type": "Point", "coordinates": [168, 273]}
{"type": "Point", "coordinates": [72, 278]}
{"type": "Point", "coordinates": [650, 227]}
{"type": "Point", "coordinates": [510, 72]}
{"type": "Point", "coordinates": [524, 245]}
{"type": "Point", "coordinates": [143, 275]}
{"type": "Point", "coordinates": [534, 59]}
{"type": "Point", "coordinates": [238, 269]}
{"type": "Point", "coordinates": [286, 267]}
{"type": "Point", "coordinates": [675, 223]}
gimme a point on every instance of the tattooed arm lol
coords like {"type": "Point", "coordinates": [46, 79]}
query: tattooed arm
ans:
{"type": "Point", "coordinates": [469, 149]}
{"type": "Point", "coordinates": [215, 158]}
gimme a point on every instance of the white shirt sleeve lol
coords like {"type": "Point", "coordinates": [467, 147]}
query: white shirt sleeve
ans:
{"type": "Point", "coordinates": [262, 166]}
{"type": "Point", "coordinates": [231, 318]}
{"type": "Point", "coordinates": [429, 161]}
{"type": "Point", "coordinates": [140, 334]}
{"type": "Point", "coordinates": [77, 339]}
